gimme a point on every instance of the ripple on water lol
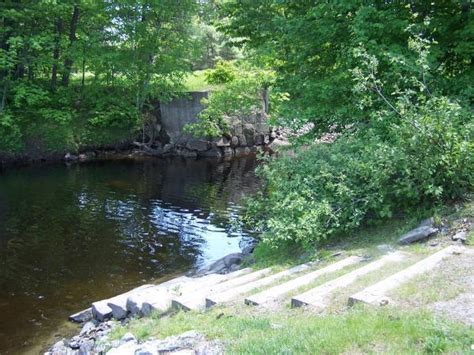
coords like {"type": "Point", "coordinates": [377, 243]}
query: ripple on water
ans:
{"type": "Point", "coordinates": [72, 235]}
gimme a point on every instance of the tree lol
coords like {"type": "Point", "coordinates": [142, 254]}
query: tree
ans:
{"type": "Point", "coordinates": [131, 49]}
{"type": "Point", "coordinates": [310, 45]}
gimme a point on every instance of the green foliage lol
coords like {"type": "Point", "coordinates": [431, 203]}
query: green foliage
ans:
{"type": "Point", "coordinates": [241, 94]}
{"type": "Point", "coordinates": [416, 149]}
{"type": "Point", "coordinates": [223, 73]}
{"type": "Point", "coordinates": [81, 73]}
{"type": "Point", "coordinates": [10, 133]}
{"type": "Point", "coordinates": [310, 45]}
{"type": "Point", "coordinates": [210, 46]}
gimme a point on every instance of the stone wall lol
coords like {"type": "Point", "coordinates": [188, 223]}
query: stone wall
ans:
{"type": "Point", "coordinates": [247, 133]}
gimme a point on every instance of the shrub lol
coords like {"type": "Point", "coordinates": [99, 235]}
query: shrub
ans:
{"type": "Point", "coordinates": [223, 73]}
{"type": "Point", "coordinates": [237, 98]}
{"type": "Point", "coordinates": [327, 189]}
{"type": "Point", "coordinates": [414, 149]}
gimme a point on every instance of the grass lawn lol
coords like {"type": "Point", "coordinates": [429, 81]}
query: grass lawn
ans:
{"type": "Point", "coordinates": [196, 81]}
{"type": "Point", "coordinates": [296, 331]}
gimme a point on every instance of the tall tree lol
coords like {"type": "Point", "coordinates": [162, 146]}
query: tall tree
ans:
{"type": "Point", "coordinates": [72, 39]}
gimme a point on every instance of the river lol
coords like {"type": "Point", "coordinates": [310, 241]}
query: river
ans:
{"type": "Point", "coordinates": [70, 235]}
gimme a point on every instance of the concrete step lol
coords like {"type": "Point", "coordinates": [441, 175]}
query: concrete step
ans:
{"type": "Point", "coordinates": [315, 298]}
{"type": "Point", "coordinates": [233, 293]}
{"type": "Point", "coordinates": [101, 309]}
{"type": "Point", "coordinates": [197, 300]}
{"type": "Point", "coordinates": [179, 288]}
{"type": "Point", "coordinates": [376, 294]}
{"type": "Point", "coordinates": [282, 289]}
{"type": "Point", "coordinates": [159, 298]}
{"type": "Point", "coordinates": [116, 306]}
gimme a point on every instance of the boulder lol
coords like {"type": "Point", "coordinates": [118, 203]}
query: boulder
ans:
{"type": "Point", "coordinates": [461, 236]}
{"type": "Point", "coordinates": [242, 151]}
{"type": "Point", "coordinates": [249, 134]}
{"type": "Point", "coordinates": [188, 153]}
{"type": "Point", "coordinates": [277, 143]}
{"type": "Point", "coordinates": [119, 309]}
{"type": "Point", "coordinates": [128, 337]}
{"type": "Point", "coordinates": [223, 265]}
{"type": "Point", "coordinates": [199, 145]}
{"type": "Point", "coordinates": [70, 157]}
{"type": "Point", "coordinates": [417, 234]}
{"type": "Point", "coordinates": [168, 148]}
{"type": "Point", "coordinates": [249, 247]}
{"type": "Point", "coordinates": [186, 340]}
{"type": "Point", "coordinates": [228, 152]}
{"type": "Point", "coordinates": [87, 347]}
{"type": "Point", "coordinates": [187, 343]}
{"type": "Point", "coordinates": [124, 349]}
{"type": "Point", "coordinates": [59, 348]}
{"type": "Point", "coordinates": [148, 348]}
{"type": "Point", "coordinates": [234, 142]}
{"type": "Point", "coordinates": [223, 142]}
{"type": "Point", "coordinates": [82, 316]}
{"type": "Point", "coordinates": [242, 141]}
{"type": "Point", "coordinates": [101, 310]}
{"type": "Point", "coordinates": [87, 328]}
{"type": "Point", "coordinates": [259, 139]}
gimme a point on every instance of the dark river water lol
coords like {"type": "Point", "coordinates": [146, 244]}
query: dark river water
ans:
{"type": "Point", "coordinates": [70, 235]}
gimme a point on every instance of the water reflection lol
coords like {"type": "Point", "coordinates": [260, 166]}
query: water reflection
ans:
{"type": "Point", "coordinates": [69, 235]}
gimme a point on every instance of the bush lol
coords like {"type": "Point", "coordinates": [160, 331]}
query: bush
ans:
{"type": "Point", "coordinates": [390, 167]}
{"type": "Point", "coordinates": [223, 73]}
{"type": "Point", "coordinates": [237, 98]}
{"type": "Point", "coordinates": [415, 149]}
{"type": "Point", "coordinates": [10, 133]}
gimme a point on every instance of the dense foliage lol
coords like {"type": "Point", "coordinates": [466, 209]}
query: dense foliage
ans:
{"type": "Point", "coordinates": [244, 90]}
{"type": "Point", "coordinates": [392, 79]}
{"type": "Point", "coordinates": [310, 44]}
{"type": "Point", "coordinates": [77, 73]}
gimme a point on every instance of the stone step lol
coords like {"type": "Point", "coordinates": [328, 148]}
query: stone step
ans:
{"type": "Point", "coordinates": [159, 297]}
{"type": "Point", "coordinates": [101, 309]}
{"type": "Point", "coordinates": [376, 294]}
{"type": "Point", "coordinates": [315, 298]}
{"type": "Point", "coordinates": [282, 289]}
{"type": "Point", "coordinates": [233, 293]}
{"type": "Point", "coordinates": [195, 283]}
{"type": "Point", "coordinates": [197, 300]}
{"type": "Point", "coordinates": [116, 306]}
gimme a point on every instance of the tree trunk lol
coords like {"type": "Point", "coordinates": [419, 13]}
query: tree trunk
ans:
{"type": "Point", "coordinates": [57, 45]}
{"type": "Point", "coordinates": [265, 100]}
{"type": "Point", "coordinates": [4, 96]}
{"type": "Point", "coordinates": [83, 81]}
{"type": "Point", "coordinates": [72, 38]}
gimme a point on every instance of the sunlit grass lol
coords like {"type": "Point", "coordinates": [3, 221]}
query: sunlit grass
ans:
{"type": "Point", "coordinates": [196, 81]}
{"type": "Point", "coordinates": [297, 331]}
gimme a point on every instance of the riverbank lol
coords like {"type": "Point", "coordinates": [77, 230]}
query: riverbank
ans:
{"type": "Point", "coordinates": [430, 313]}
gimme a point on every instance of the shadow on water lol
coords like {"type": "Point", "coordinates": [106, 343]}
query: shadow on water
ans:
{"type": "Point", "coordinates": [72, 235]}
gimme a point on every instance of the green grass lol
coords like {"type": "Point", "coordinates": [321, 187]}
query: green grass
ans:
{"type": "Point", "coordinates": [359, 330]}
{"type": "Point", "coordinates": [196, 81]}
